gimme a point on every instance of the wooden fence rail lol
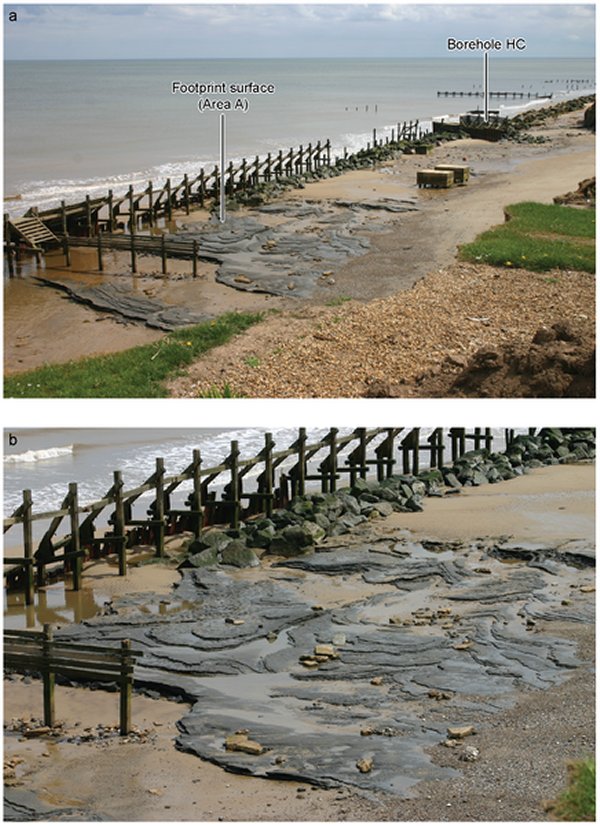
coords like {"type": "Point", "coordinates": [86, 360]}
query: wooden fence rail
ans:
{"type": "Point", "coordinates": [321, 462]}
{"type": "Point", "coordinates": [38, 651]}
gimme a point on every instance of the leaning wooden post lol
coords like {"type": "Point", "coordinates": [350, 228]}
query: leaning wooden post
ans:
{"type": "Point", "coordinates": [194, 258]}
{"type": "Point", "coordinates": [160, 507]}
{"type": "Point", "coordinates": [74, 544]}
{"type": "Point", "coordinates": [126, 688]}
{"type": "Point", "coordinates": [234, 458]}
{"type": "Point", "coordinates": [48, 676]}
{"type": "Point", "coordinates": [100, 261]}
{"type": "Point", "coordinates": [119, 524]}
{"type": "Point", "coordinates": [28, 547]}
{"type": "Point", "coordinates": [197, 492]}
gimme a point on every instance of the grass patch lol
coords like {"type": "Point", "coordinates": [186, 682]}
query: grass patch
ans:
{"type": "Point", "coordinates": [252, 361]}
{"type": "Point", "coordinates": [578, 802]}
{"type": "Point", "coordinates": [338, 301]}
{"type": "Point", "coordinates": [539, 237]}
{"type": "Point", "coordinates": [224, 392]}
{"type": "Point", "coordinates": [140, 372]}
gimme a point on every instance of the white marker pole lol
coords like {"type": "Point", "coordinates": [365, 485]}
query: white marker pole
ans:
{"type": "Point", "coordinates": [486, 86]}
{"type": "Point", "coordinates": [223, 163]}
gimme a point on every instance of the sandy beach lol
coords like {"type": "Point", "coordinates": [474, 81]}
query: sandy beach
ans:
{"type": "Point", "coordinates": [402, 250]}
{"type": "Point", "coordinates": [523, 747]}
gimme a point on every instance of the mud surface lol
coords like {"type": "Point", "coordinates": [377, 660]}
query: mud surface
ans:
{"type": "Point", "coordinates": [451, 633]}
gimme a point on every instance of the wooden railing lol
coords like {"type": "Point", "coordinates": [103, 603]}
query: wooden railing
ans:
{"type": "Point", "coordinates": [38, 651]}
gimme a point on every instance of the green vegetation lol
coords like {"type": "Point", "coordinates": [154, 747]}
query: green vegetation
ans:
{"type": "Point", "coordinates": [578, 802]}
{"type": "Point", "coordinates": [539, 237]}
{"type": "Point", "coordinates": [137, 373]}
{"type": "Point", "coordinates": [252, 361]}
{"type": "Point", "coordinates": [338, 301]}
{"type": "Point", "coordinates": [224, 393]}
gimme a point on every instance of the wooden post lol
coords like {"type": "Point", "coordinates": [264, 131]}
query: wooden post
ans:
{"type": "Point", "coordinates": [163, 253]}
{"type": "Point", "coordinates": [28, 547]}
{"type": "Point", "coordinates": [111, 217]}
{"type": "Point", "coordinates": [318, 155]}
{"type": "Point", "coordinates": [63, 218]}
{"type": "Point", "coordinates": [230, 179]}
{"type": "Point", "coordinates": [374, 138]}
{"type": "Point", "coordinates": [74, 545]}
{"type": "Point", "coordinates": [268, 475]}
{"type": "Point", "coordinates": [131, 212]}
{"type": "Point", "coordinates": [119, 523]}
{"type": "Point", "coordinates": [8, 246]}
{"type": "Point", "coordinates": [67, 251]}
{"type": "Point", "coordinates": [235, 485]}
{"type": "Point", "coordinates": [299, 161]}
{"type": "Point", "coordinates": [126, 688]}
{"type": "Point", "coordinates": [194, 258]}
{"type": "Point", "coordinates": [169, 204]}
{"type": "Point", "coordinates": [333, 452]}
{"type": "Point", "coordinates": [268, 167]}
{"type": "Point", "coordinates": [88, 216]}
{"type": "Point", "coordinates": [186, 193]}
{"type": "Point", "coordinates": [279, 167]}
{"type": "Point", "coordinates": [48, 677]}
{"type": "Point", "coordinates": [489, 439]}
{"type": "Point", "coordinates": [256, 173]}
{"type": "Point", "coordinates": [302, 438]}
{"type": "Point", "coordinates": [202, 188]}
{"type": "Point", "coordinates": [100, 261]}
{"type": "Point", "coordinates": [328, 148]}
{"type": "Point", "coordinates": [197, 492]}
{"type": "Point", "coordinates": [133, 258]}
{"type": "Point", "coordinates": [243, 174]}
{"type": "Point", "coordinates": [309, 157]}
{"type": "Point", "coordinates": [150, 204]}
{"type": "Point", "coordinates": [160, 507]}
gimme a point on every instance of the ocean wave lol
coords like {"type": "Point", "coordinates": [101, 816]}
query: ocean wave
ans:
{"type": "Point", "coordinates": [31, 456]}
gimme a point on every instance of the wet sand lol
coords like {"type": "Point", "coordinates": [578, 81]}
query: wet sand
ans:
{"type": "Point", "coordinates": [551, 504]}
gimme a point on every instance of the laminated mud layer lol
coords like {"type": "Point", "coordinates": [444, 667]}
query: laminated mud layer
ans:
{"type": "Point", "coordinates": [348, 665]}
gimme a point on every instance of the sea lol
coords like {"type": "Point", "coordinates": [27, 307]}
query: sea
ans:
{"type": "Point", "coordinates": [79, 127]}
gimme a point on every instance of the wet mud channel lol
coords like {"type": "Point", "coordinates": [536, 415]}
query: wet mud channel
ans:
{"type": "Point", "coordinates": [347, 666]}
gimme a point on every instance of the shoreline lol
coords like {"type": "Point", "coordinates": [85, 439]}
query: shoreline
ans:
{"type": "Point", "coordinates": [150, 764]}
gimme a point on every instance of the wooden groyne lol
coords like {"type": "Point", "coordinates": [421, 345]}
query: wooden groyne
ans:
{"type": "Point", "coordinates": [479, 94]}
{"type": "Point", "coordinates": [377, 452]}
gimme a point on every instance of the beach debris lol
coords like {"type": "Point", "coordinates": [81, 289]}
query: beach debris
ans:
{"type": "Point", "coordinates": [242, 279]}
{"type": "Point", "coordinates": [587, 589]}
{"type": "Point", "coordinates": [438, 694]}
{"type": "Point", "coordinates": [460, 732]}
{"type": "Point", "coordinates": [463, 646]}
{"type": "Point", "coordinates": [377, 681]}
{"type": "Point", "coordinates": [469, 755]}
{"type": "Point", "coordinates": [232, 621]}
{"type": "Point", "coordinates": [326, 650]}
{"type": "Point", "coordinates": [240, 742]}
{"type": "Point", "coordinates": [367, 731]}
{"type": "Point", "coordinates": [365, 765]}
{"type": "Point", "coordinates": [155, 792]}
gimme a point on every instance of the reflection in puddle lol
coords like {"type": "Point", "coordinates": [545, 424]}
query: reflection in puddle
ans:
{"type": "Point", "coordinates": [55, 604]}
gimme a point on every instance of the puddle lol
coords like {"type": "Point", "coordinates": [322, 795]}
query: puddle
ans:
{"type": "Point", "coordinates": [56, 604]}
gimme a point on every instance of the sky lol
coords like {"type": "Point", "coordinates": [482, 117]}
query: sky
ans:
{"type": "Point", "coordinates": [117, 31]}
